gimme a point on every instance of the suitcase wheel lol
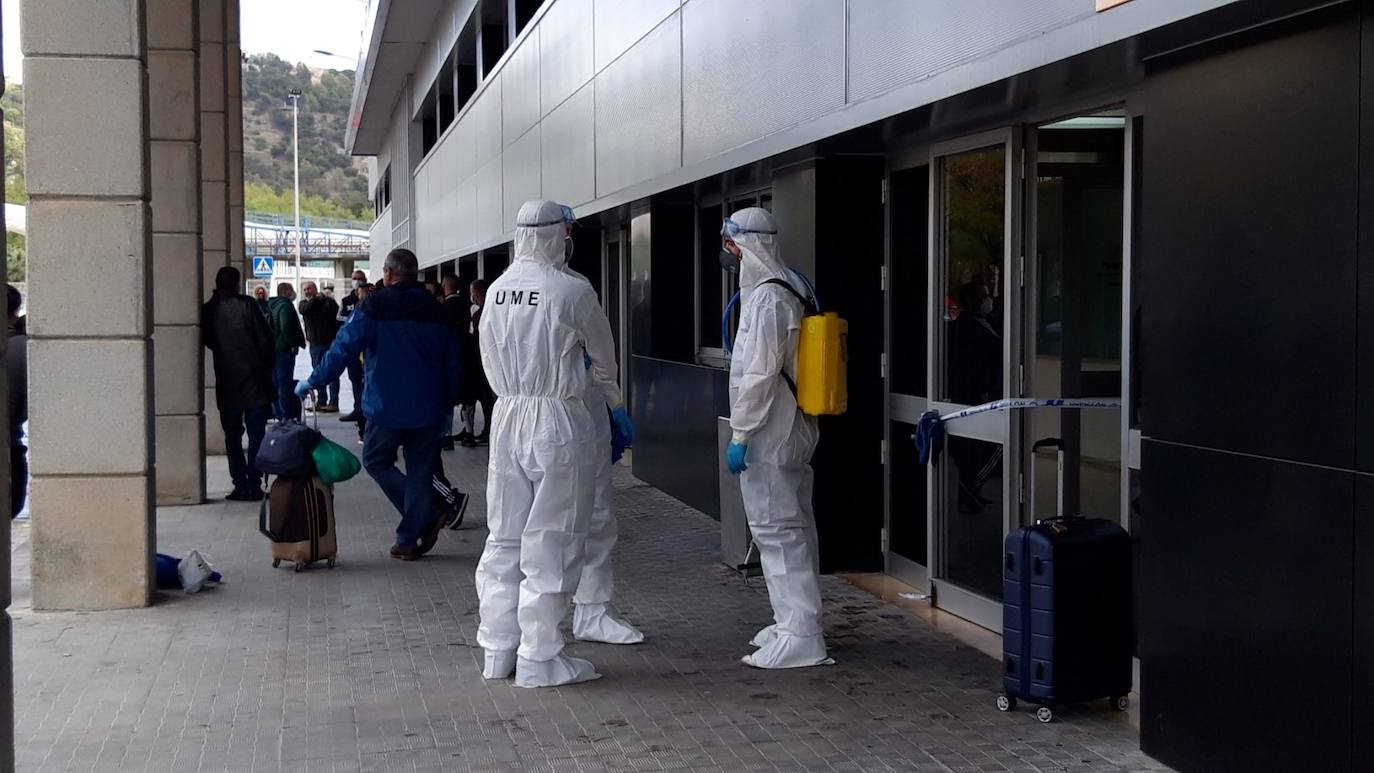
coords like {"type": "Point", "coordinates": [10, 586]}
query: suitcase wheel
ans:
{"type": "Point", "coordinates": [276, 562]}
{"type": "Point", "coordinates": [1045, 714]}
{"type": "Point", "coordinates": [1121, 702]}
{"type": "Point", "coordinates": [330, 563]}
{"type": "Point", "coordinates": [1006, 703]}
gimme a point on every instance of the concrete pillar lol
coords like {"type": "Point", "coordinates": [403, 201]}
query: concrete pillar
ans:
{"type": "Point", "coordinates": [6, 636]}
{"type": "Point", "coordinates": [174, 151]}
{"type": "Point", "coordinates": [233, 59]}
{"type": "Point", "coordinates": [214, 175]}
{"type": "Point", "coordinates": [90, 349]}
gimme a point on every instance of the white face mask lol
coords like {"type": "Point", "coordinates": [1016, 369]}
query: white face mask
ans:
{"type": "Point", "coordinates": [357, 284]}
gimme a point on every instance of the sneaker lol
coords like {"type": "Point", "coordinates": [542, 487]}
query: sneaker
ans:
{"type": "Point", "coordinates": [352, 416]}
{"type": "Point", "coordinates": [482, 439]}
{"type": "Point", "coordinates": [329, 408]}
{"type": "Point", "coordinates": [254, 494]}
{"type": "Point", "coordinates": [461, 436]}
{"type": "Point", "coordinates": [405, 554]}
{"type": "Point", "coordinates": [460, 508]}
{"type": "Point", "coordinates": [469, 443]}
{"type": "Point", "coordinates": [237, 495]}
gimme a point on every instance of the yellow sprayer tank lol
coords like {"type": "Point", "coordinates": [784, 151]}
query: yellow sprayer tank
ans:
{"type": "Point", "coordinates": [822, 362]}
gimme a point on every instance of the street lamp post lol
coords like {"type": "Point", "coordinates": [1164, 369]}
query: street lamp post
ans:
{"type": "Point", "coordinates": [295, 96]}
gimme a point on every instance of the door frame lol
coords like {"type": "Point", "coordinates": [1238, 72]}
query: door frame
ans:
{"type": "Point", "coordinates": [992, 427]}
{"type": "Point", "coordinates": [619, 235]}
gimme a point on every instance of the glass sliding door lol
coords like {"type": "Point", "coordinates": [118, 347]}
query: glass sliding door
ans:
{"type": "Point", "coordinates": [974, 320]}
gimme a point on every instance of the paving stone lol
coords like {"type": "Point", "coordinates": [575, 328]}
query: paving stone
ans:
{"type": "Point", "coordinates": [374, 666]}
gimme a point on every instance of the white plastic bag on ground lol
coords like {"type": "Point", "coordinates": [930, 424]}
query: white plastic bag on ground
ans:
{"type": "Point", "coordinates": [194, 571]}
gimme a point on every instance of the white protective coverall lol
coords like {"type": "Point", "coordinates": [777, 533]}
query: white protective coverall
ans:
{"type": "Point", "coordinates": [538, 321]}
{"type": "Point", "coordinates": [776, 486]}
{"type": "Point", "coordinates": [592, 617]}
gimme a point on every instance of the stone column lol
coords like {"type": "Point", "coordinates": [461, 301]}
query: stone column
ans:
{"type": "Point", "coordinates": [90, 353]}
{"type": "Point", "coordinates": [233, 60]}
{"type": "Point", "coordinates": [6, 633]}
{"type": "Point", "coordinates": [174, 150]}
{"type": "Point", "coordinates": [214, 174]}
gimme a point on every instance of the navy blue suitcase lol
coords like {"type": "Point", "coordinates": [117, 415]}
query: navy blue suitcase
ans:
{"type": "Point", "coordinates": [1066, 615]}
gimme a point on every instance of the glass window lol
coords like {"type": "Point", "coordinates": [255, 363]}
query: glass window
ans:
{"type": "Point", "coordinates": [972, 471]}
{"type": "Point", "coordinates": [429, 122]}
{"type": "Point", "coordinates": [972, 243]}
{"type": "Point", "coordinates": [710, 277]}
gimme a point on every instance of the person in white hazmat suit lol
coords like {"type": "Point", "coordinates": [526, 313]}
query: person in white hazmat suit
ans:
{"type": "Point", "coordinates": [771, 444]}
{"type": "Point", "coordinates": [538, 322]}
{"type": "Point", "coordinates": [592, 617]}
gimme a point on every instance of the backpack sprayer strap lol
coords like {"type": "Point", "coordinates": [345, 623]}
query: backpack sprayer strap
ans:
{"type": "Point", "coordinates": [808, 309]}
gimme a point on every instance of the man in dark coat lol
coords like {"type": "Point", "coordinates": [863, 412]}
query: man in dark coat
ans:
{"type": "Point", "coordinates": [355, 369]}
{"type": "Point", "coordinates": [240, 339]}
{"type": "Point", "coordinates": [320, 314]}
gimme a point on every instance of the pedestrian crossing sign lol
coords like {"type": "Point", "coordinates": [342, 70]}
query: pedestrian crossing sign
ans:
{"type": "Point", "coordinates": [262, 268]}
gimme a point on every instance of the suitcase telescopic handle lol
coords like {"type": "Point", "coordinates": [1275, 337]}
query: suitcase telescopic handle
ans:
{"type": "Point", "coordinates": [1049, 442]}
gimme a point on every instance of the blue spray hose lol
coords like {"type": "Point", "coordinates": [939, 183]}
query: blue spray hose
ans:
{"type": "Point", "coordinates": [734, 301]}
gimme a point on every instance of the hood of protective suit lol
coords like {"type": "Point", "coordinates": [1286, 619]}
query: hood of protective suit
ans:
{"type": "Point", "coordinates": [758, 241]}
{"type": "Point", "coordinates": [539, 232]}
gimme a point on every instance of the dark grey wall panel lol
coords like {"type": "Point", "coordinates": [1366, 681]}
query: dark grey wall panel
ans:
{"type": "Point", "coordinates": [675, 422]}
{"type": "Point", "coordinates": [1248, 231]}
{"type": "Point", "coordinates": [1245, 610]}
{"type": "Point", "coordinates": [1363, 605]}
{"type": "Point", "coordinates": [750, 69]}
{"type": "Point", "coordinates": [1364, 336]}
{"type": "Point", "coordinates": [893, 42]}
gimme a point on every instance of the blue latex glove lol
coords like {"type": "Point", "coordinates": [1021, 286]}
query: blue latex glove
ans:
{"type": "Point", "coordinates": [618, 441]}
{"type": "Point", "coordinates": [302, 389]}
{"type": "Point", "coordinates": [586, 361]}
{"type": "Point", "coordinates": [734, 457]}
{"type": "Point", "coordinates": [621, 417]}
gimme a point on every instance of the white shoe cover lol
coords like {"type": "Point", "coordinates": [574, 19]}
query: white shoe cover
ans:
{"type": "Point", "coordinates": [765, 636]}
{"type": "Point", "coordinates": [594, 622]}
{"type": "Point", "coordinates": [498, 664]}
{"type": "Point", "coordinates": [788, 651]}
{"type": "Point", "coordinates": [560, 670]}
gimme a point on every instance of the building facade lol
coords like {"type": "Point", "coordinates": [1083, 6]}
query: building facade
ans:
{"type": "Point", "coordinates": [1161, 197]}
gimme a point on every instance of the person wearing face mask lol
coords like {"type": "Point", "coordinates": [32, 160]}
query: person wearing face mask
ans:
{"type": "Point", "coordinates": [772, 442]}
{"type": "Point", "coordinates": [593, 619]}
{"type": "Point", "coordinates": [355, 369]}
{"type": "Point", "coordinates": [537, 323]}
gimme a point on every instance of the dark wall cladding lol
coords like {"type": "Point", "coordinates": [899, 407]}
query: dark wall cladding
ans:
{"type": "Point", "coordinates": [1249, 218]}
{"type": "Point", "coordinates": [1245, 637]}
{"type": "Point", "coordinates": [674, 405]}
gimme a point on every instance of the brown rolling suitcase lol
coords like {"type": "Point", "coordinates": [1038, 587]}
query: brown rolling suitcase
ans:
{"type": "Point", "coordinates": [298, 517]}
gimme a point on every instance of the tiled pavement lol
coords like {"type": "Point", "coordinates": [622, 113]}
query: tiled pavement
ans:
{"type": "Point", "coordinates": [374, 666]}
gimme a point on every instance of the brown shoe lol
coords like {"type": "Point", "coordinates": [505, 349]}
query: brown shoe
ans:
{"type": "Point", "coordinates": [330, 408]}
{"type": "Point", "coordinates": [401, 554]}
{"type": "Point", "coordinates": [431, 536]}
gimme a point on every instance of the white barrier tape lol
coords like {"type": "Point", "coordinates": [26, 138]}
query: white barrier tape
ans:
{"type": "Point", "coordinates": [1031, 402]}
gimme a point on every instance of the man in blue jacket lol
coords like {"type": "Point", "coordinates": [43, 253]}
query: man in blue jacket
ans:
{"type": "Point", "coordinates": [412, 378]}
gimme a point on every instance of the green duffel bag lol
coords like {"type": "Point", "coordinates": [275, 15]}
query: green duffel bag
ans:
{"type": "Point", "coordinates": [333, 462]}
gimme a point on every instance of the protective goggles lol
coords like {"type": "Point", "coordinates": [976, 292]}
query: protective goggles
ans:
{"type": "Point", "coordinates": [731, 229]}
{"type": "Point", "coordinates": [566, 218]}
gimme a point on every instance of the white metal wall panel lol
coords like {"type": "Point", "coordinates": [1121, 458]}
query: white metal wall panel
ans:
{"type": "Point", "coordinates": [424, 210]}
{"type": "Point", "coordinates": [639, 111]}
{"type": "Point", "coordinates": [447, 24]}
{"type": "Point", "coordinates": [621, 23]}
{"type": "Point", "coordinates": [565, 51]}
{"type": "Point", "coordinates": [465, 212]}
{"type": "Point", "coordinates": [520, 174]}
{"type": "Point", "coordinates": [447, 181]}
{"type": "Point", "coordinates": [485, 117]}
{"type": "Point", "coordinates": [520, 90]}
{"type": "Point", "coordinates": [379, 239]}
{"type": "Point", "coordinates": [462, 144]}
{"type": "Point", "coordinates": [490, 201]}
{"type": "Point", "coordinates": [779, 63]}
{"type": "Point", "coordinates": [569, 150]}
{"type": "Point", "coordinates": [892, 42]}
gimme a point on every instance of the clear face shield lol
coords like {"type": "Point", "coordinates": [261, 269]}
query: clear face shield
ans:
{"type": "Point", "coordinates": [730, 231]}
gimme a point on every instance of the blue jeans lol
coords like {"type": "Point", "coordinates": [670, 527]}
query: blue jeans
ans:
{"type": "Point", "coordinates": [410, 492]}
{"type": "Point", "coordinates": [243, 471]}
{"type": "Point", "coordinates": [330, 393]}
{"type": "Point", "coordinates": [287, 405]}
